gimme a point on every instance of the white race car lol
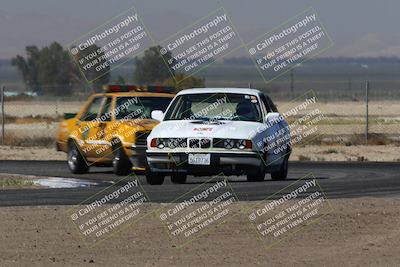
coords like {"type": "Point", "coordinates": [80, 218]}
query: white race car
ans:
{"type": "Point", "coordinates": [207, 131]}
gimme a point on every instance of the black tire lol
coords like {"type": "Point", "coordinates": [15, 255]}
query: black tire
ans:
{"type": "Point", "coordinates": [283, 171]}
{"type": "Point", "coordinates": [258, 174]}
{"type": "Point", "coordinates": [154, 178]}
{"type": "Point", "coordinates": [178, 178]}
{"type": "Point", "coordinates": [76, 162]}
{"type": "Point", "coordinates": [121, 163]}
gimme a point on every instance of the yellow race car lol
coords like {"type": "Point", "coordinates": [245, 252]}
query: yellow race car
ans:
{"type": "Point", "coordinates": [112, 127]}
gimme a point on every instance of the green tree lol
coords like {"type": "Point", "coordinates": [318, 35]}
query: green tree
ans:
{"type": "Point", "coordinates": [151, 68]}
{"type": "Point", "coordinates": [185, 82]}
{"type": "Point", "coordinates": [28, 67]}
{"type": "Point", "coordinates": [46, 71]}
{"type": "Point", "coordinates": [54, 69]}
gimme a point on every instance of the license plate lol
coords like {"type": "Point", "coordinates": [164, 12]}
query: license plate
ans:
{"type": "Point", "coordinates": [199, 159]}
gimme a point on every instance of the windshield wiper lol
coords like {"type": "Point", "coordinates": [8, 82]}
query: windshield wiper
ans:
{"type": "Point", "coordinates": [202, 119]}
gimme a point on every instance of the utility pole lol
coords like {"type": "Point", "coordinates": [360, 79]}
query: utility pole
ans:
{"type": "Point", "coordinates": [366, 111]}
{"type": "Point", "coordinates": [291, 82]}
{"type": "Point", "coordinates": [2, 115]}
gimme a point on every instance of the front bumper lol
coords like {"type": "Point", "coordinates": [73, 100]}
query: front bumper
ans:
{"type": "Point", "coordinates": [229, 163]}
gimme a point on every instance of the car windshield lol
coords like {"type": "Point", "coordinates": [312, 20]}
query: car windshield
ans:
{"type": "Point", "coordinates": [215, 106]}
{"type": "Point", "coordinates": [139, 107]}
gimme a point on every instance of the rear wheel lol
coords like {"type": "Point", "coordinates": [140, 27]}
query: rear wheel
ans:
{"type": "Point", "coordinates": [154, 178]}
{"type": "Point", "coordinates": [121, 163]}
{"type": "Point", "coordinates": [283, 171]}
{"type": "Point", "coordinates": [178, 178]}
{"type": "Point", "coordinates": [76, 162]}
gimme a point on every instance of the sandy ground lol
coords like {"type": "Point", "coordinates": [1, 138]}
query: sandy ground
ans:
{"type": "Point", "coordinates": [319, 153]}
{"type": "Point", "coordinates": [339, 108]}
{"type": "Point", "coordinates": [351, 109]}
{"type": "Point", "coordinates": [30, 153]}
{"type": "Point", "coordinates": [358, 232]}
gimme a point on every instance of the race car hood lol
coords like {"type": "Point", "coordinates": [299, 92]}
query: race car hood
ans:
{"type": "Point", "coordinates": [142, 124]}
{"type": "Point", "coordinates": [220, 129]}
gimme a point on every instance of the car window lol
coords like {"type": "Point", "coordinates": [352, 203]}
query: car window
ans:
{"type": "Point", "coordinates": [105, 114]}
{"type": "Point", "coordinates": [215, 106]}
{"type": "Point", "coordinates": [269, 105]}
{"type": "Point", "coordinates": [93, 110]}
{"type": "Point", "coordinates": [139, 107]}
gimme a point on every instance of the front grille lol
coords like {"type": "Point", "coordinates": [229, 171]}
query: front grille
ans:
{"type": "Point", "coordinates": [205, 143]}
{"type": "Point", "coordinates": [218, 143]}
{"type": "Point", "coordinates": [141, 139]}
{"type": "Point", "coordinates": [199, 143]}
{"type": "Point", "coordinates": [194, 143]}
{"type": "Point", "coordinates": [180, 142]}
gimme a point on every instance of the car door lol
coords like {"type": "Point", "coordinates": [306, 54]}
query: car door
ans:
{"type": "Point", "coordinates": [103, 136]}
{"type": "Point", "coordinates": [275, 134]}
{"type": "Point", "coordinates": [89, 127]}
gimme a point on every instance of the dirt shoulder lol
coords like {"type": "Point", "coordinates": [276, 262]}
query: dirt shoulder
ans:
{"type": "Point", "coordinates": [30, 153]}
{"type": "Point", "coordinates": [347, 153]}
{"type": "Point", "coordinates": [359, 232]}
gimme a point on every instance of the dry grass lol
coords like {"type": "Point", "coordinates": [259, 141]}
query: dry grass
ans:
{"type": "Point", "coordinates": [373, 139]}
{"type": "Point", "coordinates": [386, 153]}
{"type": "Point", "coordinates": [31, 119]}
{"type": "Point", "coordinates": [331, 151]}
{"type": "Point", "coordinates": [44, 141]}
{"type": "Point", "coordinates": [304, 158]}
{"type": "Point", "coordinates": [349, 140]}
{"type": "Point", "coordinates": [15, 183]}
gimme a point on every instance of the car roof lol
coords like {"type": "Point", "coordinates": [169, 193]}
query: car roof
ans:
{"type": "Point", "coordinates": [247, 91]}
{"type": "Point", "coordinates": [144, 94]}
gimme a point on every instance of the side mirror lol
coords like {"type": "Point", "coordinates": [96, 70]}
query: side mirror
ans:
{"type": "Point", "coordinates": [273, 117]}
{"type": "Point", "coordinates": [69, 116]}
{"type": "Point", "coordinates": [157, 115]}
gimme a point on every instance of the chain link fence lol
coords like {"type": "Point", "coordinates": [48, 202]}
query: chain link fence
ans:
{"type": "Point", "coordinates": [33, 120]}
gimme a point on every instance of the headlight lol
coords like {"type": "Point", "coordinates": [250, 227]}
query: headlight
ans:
{"type": "Point", "coordinates": [160, 144]}
{"type": "Point", "coordinates": [244, 144]}
{"type": "Point", "coordinates": [157, 142]}
{"type": "Point", "coordinates": [172, 143]}
{"type": "Point", "coordinates": [229, 144]}
{"type": "Point", "coordinates": [153, 142]}
{"type": "Point", "coordinates": [241, 144]}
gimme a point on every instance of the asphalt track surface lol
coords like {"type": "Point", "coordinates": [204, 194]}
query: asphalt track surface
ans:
{"type": "Point", "coordinates": [336, 179]}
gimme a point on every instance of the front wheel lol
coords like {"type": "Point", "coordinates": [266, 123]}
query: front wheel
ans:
{"type": "Point", "coordinates": [154, 178]}
{"type": "Point", "coordinates": [76, 162]}
{"type": "Point", "coordinates": [257, 175]}
{"type": "Point", "coordinates": [283, 171]}
{"type": "Point", "coordinates": [121, 163]}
